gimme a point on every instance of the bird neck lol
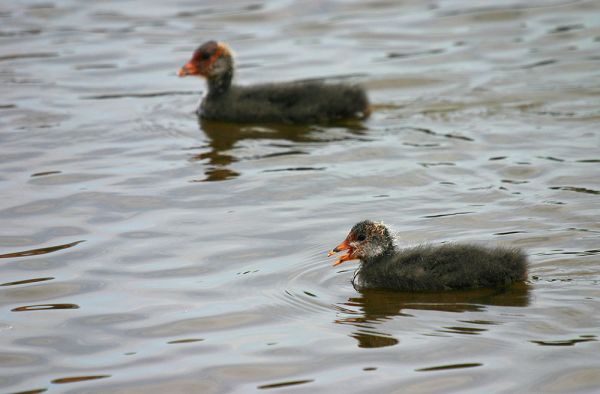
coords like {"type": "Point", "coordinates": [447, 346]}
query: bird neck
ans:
{"type": "Point", "coordinates": [220, 82]}
{"type": "Point", "coordinates": [390, 251]}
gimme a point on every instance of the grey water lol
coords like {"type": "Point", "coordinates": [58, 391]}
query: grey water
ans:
{"type": "Point", "coordinates": [143, 251]}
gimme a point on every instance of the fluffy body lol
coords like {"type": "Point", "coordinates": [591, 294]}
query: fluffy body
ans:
{"type": "Point", "coordinates": [294, 102]}
{"type": "Point", "coordinates": [446, 267]}
{"type": "Point", "coordinates": [426, 267]}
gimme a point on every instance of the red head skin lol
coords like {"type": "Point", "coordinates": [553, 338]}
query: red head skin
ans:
{"type": "Point", "coordinates": [203, 59]}
{"type": "Point", "coordinates": [345, 245]}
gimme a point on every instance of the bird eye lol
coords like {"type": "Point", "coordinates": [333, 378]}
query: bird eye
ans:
{"type": "Point", "coordinates": [361, 237]}
{"type": "Point", "coordinates": [205, 56]}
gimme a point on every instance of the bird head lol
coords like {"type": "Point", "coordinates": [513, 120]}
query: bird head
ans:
{"type": "Point", "coordinates": [211, 60]}
{"type": "Point", "coordinates": [366, 240]}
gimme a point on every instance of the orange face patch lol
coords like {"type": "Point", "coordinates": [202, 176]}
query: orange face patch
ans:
{"type": "Point", "coordinates": [343, 246]}
{"type": "Point", "coordinates": [203, 59]}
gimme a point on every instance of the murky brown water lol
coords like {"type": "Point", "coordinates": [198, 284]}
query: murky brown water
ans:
{"type": "Point", "coordinates": [144, 252]}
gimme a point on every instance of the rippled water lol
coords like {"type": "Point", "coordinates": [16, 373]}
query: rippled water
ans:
{"type": "Point", "coordinates": [141, 251]}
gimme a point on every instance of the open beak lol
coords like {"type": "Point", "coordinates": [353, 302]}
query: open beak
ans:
{"type": "Point", "coordinates": [188, 69]}
{"type": "Point", "coordinates": [343, 246]}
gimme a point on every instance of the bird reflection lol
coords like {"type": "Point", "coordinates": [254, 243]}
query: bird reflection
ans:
{"type": "Point", "coordinates": [372, 307]}
{"type": "Point", "coordinates": [224, 137]}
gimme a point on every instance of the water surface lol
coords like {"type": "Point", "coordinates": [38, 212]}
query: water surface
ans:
{"type": "Point", "coordinates": [144, 251]}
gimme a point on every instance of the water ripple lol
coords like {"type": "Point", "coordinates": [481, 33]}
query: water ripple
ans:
{"type": "Point", "coordinates": [284, 384]}
{"type": "Point", "coordinates": [449, 366]}
{"type": "Point", "coordinates": [25, 281]}
{"type": "Point", "coordinates": [34, 252]}
{"type": "Point", "coordinates": [44, 307]}
{"type": "Point", "coordinates": [76, 379]}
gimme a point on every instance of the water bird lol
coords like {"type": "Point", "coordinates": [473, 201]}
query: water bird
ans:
{"type": "Point", "coordinates": [427, 267]}
{"type": "Point", "coordinates": [301, 102]}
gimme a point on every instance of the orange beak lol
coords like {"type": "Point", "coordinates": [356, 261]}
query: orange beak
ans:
{"type": "Point", "coordinates": [343, 246]}
{"type": "Point", "coordinates": [188, 69]}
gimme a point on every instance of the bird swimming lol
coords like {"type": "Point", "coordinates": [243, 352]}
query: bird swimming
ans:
{"type": "Point", "coordinates": [301, 102]}
{"type": "Point", "coordinates": [426, 267]}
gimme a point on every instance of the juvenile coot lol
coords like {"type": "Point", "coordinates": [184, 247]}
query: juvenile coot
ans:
{"type": "Point", "coordinates": [425, 267]}
{"type": "Point", "coordinates": [291, 102]}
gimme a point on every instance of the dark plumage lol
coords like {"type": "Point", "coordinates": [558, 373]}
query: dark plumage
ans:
{"type": "Point", "coordinates": [292, 102]}
{"type": "Point", "coordinates": [425, 267]}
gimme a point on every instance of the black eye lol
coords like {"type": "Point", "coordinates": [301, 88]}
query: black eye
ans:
{"type": "Point", "coordinates": [361, 237]}
{"type": "Point", "coordinates": [205, 56]}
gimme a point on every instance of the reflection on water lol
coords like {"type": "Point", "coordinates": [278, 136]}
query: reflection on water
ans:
{"type": "Point", "coordinates": [278, 139]}
{"type": "Point", "coordinates": [375, 306]}
{"type": "Point", "coordinates": [568, 342]}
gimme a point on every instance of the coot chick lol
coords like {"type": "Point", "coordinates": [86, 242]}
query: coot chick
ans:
{"type": "Point", "coordinates": [425, 267]}
{"type": "Point", "coordinates": [291, 102]}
